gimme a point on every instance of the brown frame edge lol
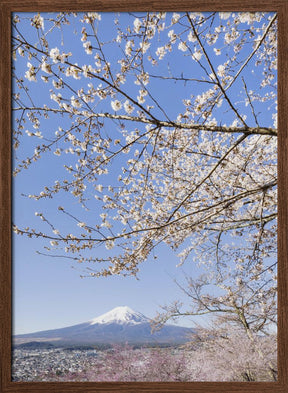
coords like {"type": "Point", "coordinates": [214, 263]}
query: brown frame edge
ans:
{"type": "Point", "coordinates": [6, 8]}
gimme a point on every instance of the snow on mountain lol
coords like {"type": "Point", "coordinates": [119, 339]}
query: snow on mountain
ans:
{"type": "Point", "coordinates": [121, 315]}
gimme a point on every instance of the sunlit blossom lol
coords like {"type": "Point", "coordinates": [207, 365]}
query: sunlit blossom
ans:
{"type": "Point", "coordinates": [144, 46]}
{"type": "Point", "coordinates": [182, 46]}
{"type": "Point", "coordinates": [172, 36]}
{"type": "Point", "coordinates": [191, 37]}
{"type": "Point", "coordinates": [46, 67]}
{"type": "Point", "coordinates": [55, 55]}
{"type": "Point", "coordinates": [30, 74]}
{"type": "Point", "coordinates": [224, 15]}
{"type": "Point", "coordinates": [38, 21]}
{"type": "Point", "coordinates": [221, 70]}
{"type": "Point", "coordinates": [160, 52]}
{"type": "Point", "coordinates": [217, 51]}
{"type": "Point", "coordinates": [128, 107]}
{"type": "Point", "coordinates": [88, 47]}
{"type": "Point", "coordinates": [75, 102]}
{"type": "Point", "coordinates": [175, 18]}
{"type": "Point", "coordinates": [137, 25]}
{"type": "Point", "coordinates": [197, 55]}
{"type": "Point", "coordinates": [116, 105]}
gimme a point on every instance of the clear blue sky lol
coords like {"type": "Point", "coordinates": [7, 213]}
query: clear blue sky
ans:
{"type": "Point", "coordinates": [48, 292]}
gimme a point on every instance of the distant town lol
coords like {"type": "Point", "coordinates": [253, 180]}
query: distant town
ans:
{"type": "Point", "coordinates": [37, 364]}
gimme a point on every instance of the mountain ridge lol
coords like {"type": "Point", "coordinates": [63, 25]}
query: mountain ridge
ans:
{"type": "Point", "coordinates": [119, 325]}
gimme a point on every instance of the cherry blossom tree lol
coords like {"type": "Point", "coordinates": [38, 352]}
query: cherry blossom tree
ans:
{"type": "Point", "coordinates": [223, 354]}
{"type": "Point", "coordinates": [244, 318]}
{"type": "Point", "coordinates": [166, 134]}
{"type": "Point", "coordinates": [202, 360]}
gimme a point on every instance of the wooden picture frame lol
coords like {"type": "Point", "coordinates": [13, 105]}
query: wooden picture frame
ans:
{"type": "Point", "coordinates": [7, 7]}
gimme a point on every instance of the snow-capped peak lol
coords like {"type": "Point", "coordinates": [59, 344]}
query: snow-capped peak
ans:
{"type": "Point", "coordinates": [121, 315]}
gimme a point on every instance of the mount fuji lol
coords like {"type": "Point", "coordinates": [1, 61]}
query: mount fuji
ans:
{"type": "Point", "coordinates": [120, 325]}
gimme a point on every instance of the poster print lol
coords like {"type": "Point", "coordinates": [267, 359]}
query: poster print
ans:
{"type": "Point", "coordinates": [148, 159]}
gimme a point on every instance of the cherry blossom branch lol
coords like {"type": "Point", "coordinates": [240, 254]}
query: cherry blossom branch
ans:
{"type": "Point", "coordinates": [166, 124]}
